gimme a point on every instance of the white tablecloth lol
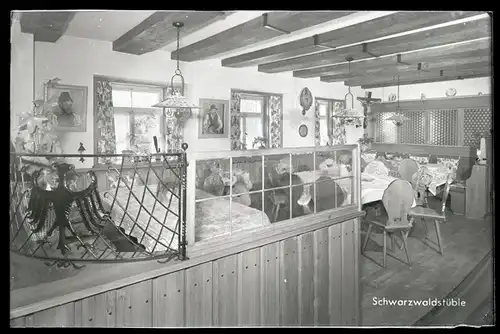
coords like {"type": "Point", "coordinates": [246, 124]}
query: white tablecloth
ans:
{"type": "Point", "coordinates": [373, 187]}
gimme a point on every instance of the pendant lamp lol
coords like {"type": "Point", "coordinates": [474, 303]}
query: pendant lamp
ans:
{"type": "Point", "coordinates": [175, 100]}
{"type": "Point", "coordinates": [350, 115]}
{"type": "Point", "coordinates": [398, 119]}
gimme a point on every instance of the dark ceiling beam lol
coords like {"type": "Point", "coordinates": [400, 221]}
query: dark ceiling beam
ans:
{"type": "Point", "coordinates": [452, 71]}
{"type": "Point", "coordinates": [372, 29]}
{"type": "Point", "coordinates": [259, 29]}
{"type": "Point", "coordinates": [156, 31]}
{"type": "Point", "coordinates": [428, 80]}
{"type": "Point", "coordinates": [430, 38]}
{"type": "Point", "coordinates": [476, 48]}
{"type": "Point", "coordinates": [440, 64]}
{"type": "Point", "coordinates": [46, 26]}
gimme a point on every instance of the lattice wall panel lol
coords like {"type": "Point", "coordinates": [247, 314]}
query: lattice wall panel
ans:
{"type": "Point", "coordinates": [443, 127]}
{"type": "Point", "coordinates": [386, 130]}
{"type": "Point", "coordinates": [477, 123]}
{"type": "Point", "coordinates": [413, 130]}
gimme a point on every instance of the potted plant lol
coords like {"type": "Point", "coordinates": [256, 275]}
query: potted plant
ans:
{"type": "Point", "coordinates": [261, 141]}
{"type": "Point", "coordinates": [365, 142]}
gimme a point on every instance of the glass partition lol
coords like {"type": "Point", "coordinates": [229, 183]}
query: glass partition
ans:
{"type": "Point", "coordinates": [244, 190]}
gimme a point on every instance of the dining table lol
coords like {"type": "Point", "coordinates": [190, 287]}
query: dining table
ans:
{"type": "Point", "coordinates": [372, 186]}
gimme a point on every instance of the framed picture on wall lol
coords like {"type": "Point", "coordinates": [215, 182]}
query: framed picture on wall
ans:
{"type": "Point", "coordinates": [213, 118]}
{"type": "Point", "coordinates": [71, 106]}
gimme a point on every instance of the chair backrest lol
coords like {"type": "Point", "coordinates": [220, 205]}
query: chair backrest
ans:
{"type": "Point", "coordinates": [407, 168]}
{"type": "Point", "coordinates": [398, 199]}
{"type": "Point", "coordinates": [329, 194]}
{"type": "Point", "coordinates": [376, 167]}
{"type": "Point", "coordinates": [446, 193]}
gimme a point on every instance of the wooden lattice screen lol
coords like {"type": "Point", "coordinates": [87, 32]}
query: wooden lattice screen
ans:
{"type": "Point", "coordinates": [413, 130]}
{"type": "Point", "coordinates": [477, 122]}
{"type": "Point", "coordinates": [443, 127]}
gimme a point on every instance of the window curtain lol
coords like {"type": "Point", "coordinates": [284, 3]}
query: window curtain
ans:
{"type": "Point", "coordinates": [317, 124]}
{"type": "Point", "coordinates": [275, 112]}
{"type": "Point", "coordinates": [338, 136]}
{"type": "Point", "coordinates": [104, 123]}
{"type": "Point", "coordinates": [236, 144]}
{"type": "Point", "coordinates": [174, 130]}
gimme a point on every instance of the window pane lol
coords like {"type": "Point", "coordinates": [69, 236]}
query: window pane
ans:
{"type": "Point", "coordinates": [145, 127]}
{"type": "Point", "coordinates": [323, 131]}
{"type": "Point", "coordinates": [323, 109]}
{"type": "Point", "coordinates": [253, 129]}
{"type": "Point", "coordinates": [122, 131]}
{"type": "Point", "coordinates": [251, 105]}
{"type": "Point", "coordinates": [145, 99]}
{"type": "Point", "coordinates": [385, 129]}
{"type": "Point", "coordinates": [121, 98]}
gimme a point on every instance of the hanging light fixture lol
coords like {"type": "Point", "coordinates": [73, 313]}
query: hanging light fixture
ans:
{"type": "Point", "coordinates": [398, 119]}
{"type": "Point", "coordinates": [175, 100]}
{"type": "Point", "coordinates": [350, 115]}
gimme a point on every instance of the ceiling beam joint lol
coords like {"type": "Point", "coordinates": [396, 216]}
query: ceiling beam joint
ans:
{"type": "Point", "coordinates": [268, 26]}
{"type": "Point", "coordinates": [318, 43]}
{"type": "Point", "coordinates": [399, 61]}
{"type": "Point", "coordinates": [365, 50]}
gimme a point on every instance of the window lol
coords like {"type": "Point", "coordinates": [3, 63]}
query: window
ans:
{"type": "Point", "coordinates": [323, 122]}
{"type": "Point", "coordinates": [327, 108]}
{"type": "Point", "coordinates": [252, 121]}
{"type": "Point", "coordinates": [136, 122]}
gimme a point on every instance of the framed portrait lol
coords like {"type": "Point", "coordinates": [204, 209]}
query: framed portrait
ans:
{"type": "Point", "coordinates": [214, 118]}
{"type": "Point", "coordinates": [71, 106]}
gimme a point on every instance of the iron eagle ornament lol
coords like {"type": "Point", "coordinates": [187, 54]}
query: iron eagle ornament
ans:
{"type": "Point", "coordinates": [60, 200]}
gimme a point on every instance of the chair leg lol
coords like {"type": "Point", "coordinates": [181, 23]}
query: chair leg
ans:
{"type": "Point", "coordinates": [367, 237]}
{"type": "Point", "coordinates": [426, 230]}
{"type": "Point", "coordinates": [385, 250]}
{"type": "Point", "coordinates": [405, 244]}
{"type": "Point", "coordinates": [276, 212]}
{"type": "Point", "coordinates": [438, 234]}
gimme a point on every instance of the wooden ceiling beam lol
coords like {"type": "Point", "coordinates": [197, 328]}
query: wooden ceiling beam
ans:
{"type": "Point", "coordinates": [157, 31]}
{"type": "Point", "coordinates": [440, 64]}
{"type": "Point", "coordinates": [451, 71]}
{"type": "Point", "coordinates": [46, 26]}
{"type": "Point", "coordinates": [428, 80]}
{"type": "Point", "coordinates": [376, 28]}
{"type": "Point", "coordinates": [476, 48]}
{"type": "Point", "coordinates": [262, 28]}
{"type": "Point", "coordinates": [430, 38]}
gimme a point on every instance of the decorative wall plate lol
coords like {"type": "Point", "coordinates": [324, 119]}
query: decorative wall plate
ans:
{"type": "Point", "coordinates": [392, 97]}
{"type": "Point", "coordinates": [451, 92]}
{"type": "Point", "coordinates": [303, 130]}
{"type": "Point", "coordinates": [306, 100]}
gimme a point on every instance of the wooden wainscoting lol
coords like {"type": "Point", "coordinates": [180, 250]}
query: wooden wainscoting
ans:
{"type": "Point", "coordinates": [309, 279]}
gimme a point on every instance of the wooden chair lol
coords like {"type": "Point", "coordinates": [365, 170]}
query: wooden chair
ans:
{"type": "Point", "coordinates": [407, 168]}
{"type": "Point", "coordinates": [438, 215]}
{"type": "Point", "coordinates": [397, 200]}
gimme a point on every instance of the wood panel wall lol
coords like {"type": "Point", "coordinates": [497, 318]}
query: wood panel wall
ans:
{"type": "Point", "coordinates": [310, 279]}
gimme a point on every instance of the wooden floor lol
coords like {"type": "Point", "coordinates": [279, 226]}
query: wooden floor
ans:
{"type": "Point", "coordinates": [466, 243]}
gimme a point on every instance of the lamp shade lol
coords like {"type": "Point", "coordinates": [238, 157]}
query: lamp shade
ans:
{"type": "Point", "coordinates": [176, 101]}
{"type": "Point", "coordinates": [398, 118]}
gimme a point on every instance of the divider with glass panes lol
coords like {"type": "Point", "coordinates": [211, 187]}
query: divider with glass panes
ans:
{"type": "Point", "coordinates": [236, 191]}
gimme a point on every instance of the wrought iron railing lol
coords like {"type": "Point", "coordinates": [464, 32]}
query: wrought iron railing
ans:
{"type": "Point", "coordinates": [130, 210]}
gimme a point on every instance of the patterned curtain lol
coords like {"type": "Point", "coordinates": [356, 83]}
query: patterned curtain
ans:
{"type": "Point", "coordinates": [104, 121]}
{"type": "Point", "coordinates": [338, 136]}
{"type": "Point", "coordinates": [236, 144]}
{"type": "Point", "coordinates": [275, 112]}
{"type": "Point", "coordinates": [317, 126]}
{"type": "Point", "coordinates": [174, 130]}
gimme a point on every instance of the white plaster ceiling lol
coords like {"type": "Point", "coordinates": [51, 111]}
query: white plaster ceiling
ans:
{"type": "Point", "coordinates": [105, 25]}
